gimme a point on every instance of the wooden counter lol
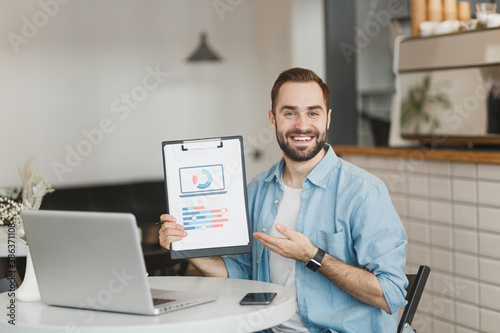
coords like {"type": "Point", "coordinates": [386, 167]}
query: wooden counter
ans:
{"type": "Point", "coordinates": [457, 155]}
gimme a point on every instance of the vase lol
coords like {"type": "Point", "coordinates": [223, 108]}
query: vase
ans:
{"type": "Point", "coordinates": [28, 291]}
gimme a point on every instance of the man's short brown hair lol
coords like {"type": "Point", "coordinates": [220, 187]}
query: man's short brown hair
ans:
{"type": "Point", "coordinates": [298, 75]}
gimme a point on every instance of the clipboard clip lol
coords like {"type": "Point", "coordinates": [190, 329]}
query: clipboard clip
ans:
{"type": "Point", "coordinates": [202, 144]}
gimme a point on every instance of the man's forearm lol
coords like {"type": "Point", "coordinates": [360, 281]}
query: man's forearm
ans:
{"type": "Point", "coordinates": [210, 266]}
{"type": "Point", "coordinates": [357, 282]}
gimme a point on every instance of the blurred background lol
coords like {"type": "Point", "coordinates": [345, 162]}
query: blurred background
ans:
{"type": "Point", "coordinates": [90, 89]}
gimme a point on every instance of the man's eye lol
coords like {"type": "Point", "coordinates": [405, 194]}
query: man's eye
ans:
{"type": "Point", "coordinates": [314, 114]}
{"type": "Point", "coordinates": [289, 114]}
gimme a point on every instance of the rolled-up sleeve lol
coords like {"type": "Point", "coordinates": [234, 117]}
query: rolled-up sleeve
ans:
{"type": "Point", "coordinates": [379, 240]}
{"type": "Point", "coordinates": [239, 266]}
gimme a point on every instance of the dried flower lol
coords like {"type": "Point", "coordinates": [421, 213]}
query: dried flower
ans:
{"type": "Point", "coordinates": [34, 189]}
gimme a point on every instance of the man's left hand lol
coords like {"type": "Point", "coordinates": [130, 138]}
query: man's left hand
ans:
{"type": "Point", "coordinates": [294, 246]}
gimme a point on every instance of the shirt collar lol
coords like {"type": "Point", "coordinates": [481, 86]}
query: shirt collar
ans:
{"type": "Point", "coordinates": [318, 175]}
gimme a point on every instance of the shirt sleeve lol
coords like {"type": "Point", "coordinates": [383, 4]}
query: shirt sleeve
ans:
{"type": "Point", "coordinates": [239, 266]}
{"type": "Point", "coordinates": [379, 240]}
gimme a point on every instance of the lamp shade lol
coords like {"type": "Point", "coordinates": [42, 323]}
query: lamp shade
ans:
{"type": "Point", "coordinates": [203, 52]}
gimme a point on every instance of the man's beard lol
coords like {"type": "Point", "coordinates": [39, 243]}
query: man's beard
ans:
{"type": "Point", "coordinates": [301, 154]}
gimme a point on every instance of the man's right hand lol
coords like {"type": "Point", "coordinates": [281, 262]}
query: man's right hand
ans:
{"type": "Point", "coordinates": [170, 231]}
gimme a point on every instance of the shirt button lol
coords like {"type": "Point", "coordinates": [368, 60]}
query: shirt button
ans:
{"type": "Point", "coordinates": [264, 230]}
{"type": "Point", "coordinates": [276, 180]}
{"type": "Point", "coordinates": [276, 202]}
{"type": "Point", "coordinates": [258, 260]}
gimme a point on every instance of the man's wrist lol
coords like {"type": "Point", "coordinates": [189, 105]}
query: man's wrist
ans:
{"type": "Point", "coordinates": [314, 263]}
{"type": "Point", "coordinates": [311, 253]}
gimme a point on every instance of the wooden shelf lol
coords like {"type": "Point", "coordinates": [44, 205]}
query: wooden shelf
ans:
{"type": "Point", "coordinates": [456, 155]}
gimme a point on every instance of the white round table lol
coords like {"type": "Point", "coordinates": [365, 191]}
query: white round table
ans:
{"type": "Point", "coordinates": [223, 315]}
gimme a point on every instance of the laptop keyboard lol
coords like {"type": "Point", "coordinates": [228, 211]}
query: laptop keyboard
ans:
{"type": "Point", "coordinates": [158, 301]}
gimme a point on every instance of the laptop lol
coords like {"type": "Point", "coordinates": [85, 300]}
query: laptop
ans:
{"type": "Point", "coordinates": [94, 261]}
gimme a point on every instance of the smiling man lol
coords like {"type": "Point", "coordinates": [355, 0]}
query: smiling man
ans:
{"type": "Point", "coordinates": [324, 228]}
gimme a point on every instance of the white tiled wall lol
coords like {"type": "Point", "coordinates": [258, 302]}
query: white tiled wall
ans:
{"type": "Point", "coordinates": [451, 213]}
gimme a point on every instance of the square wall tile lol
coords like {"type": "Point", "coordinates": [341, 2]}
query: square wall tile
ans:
{"type": "Point", "coordinates": [467, 315]}
{"type": "Point", "coordinates": [415, 164]}
{"type": "Point", "coordinates": [465, 215]}
{"type": "Point", "coordinates": [420, 255]}
{"type": "Point", "coordinates": [489, 193]}
{"type": "Point", "coordinates": [466, 241]}
{"type": "Point", "coordinates": [443, 286]}
{"type": "Point", "coordinates": [489, 270]}
{"type": "Point", "coordinates": [393, 164]}
{"type": "Point", "coordinates": [466, 265]}
{"type": "Point", "coordinates": [440, 188]}
{"type": "Point", "coordinates": [463, 169]}
{"type": "Point", "coordinates": [376, 162]}
{"type": "Point", "coordinates": [489, 245]}
{"type": "Point", "coordinates": [442, 307]}
{"type": "Point", "coordinates": [442, 260]}
{"type": "Point", "coordinates": [490, 320]}
{"type": "Point", "coordinates": [417, 185]}
{"type": "Point", "coordinates": [488, 171]}
{"type": "Point", "coordinates": [467, 290]}
{"type": "Point", "coordinates": [490, 296]}
{"type": "Point", "coordinates": [421, 323]}
{"type": "Point", "coordinates": [442, 327]}
{"type": "Point", "coordinates": [419, 232]}
{"type": "Point", "coordinates": [464, 190]}
{"type": "Point", "coordinates": [442, 236]}
{"type": "Point", "coordinates": [418, 208]}
{"type": "Point", "coordinates": [440, 211]}
{"type": "Point", "coordinates": [439, 168]}
{"type": "Point", "coordinates": [463, 330]}
{"type": "Point", "coordinates": [489, 219]}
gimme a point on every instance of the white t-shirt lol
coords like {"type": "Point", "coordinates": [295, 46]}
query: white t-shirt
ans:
{"type": "Point", "coordinates": [282, 269]}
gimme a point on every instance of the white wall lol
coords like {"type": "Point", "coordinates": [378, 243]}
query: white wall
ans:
{"type": "Point", "coordinates": [66, 69]}
{"type": "Point", "coordinates": [308, 36]}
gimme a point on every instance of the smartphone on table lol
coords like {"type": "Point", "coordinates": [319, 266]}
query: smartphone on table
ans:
{"type": "Point", "coordinates": [257, 298]}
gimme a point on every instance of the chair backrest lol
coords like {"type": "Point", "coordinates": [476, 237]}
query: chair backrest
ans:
{"type": "Point", "coordinates": [414, 291]}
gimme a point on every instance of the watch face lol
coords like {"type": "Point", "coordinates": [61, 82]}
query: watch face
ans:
{"type": "Point", "coordinates": [313, 265]}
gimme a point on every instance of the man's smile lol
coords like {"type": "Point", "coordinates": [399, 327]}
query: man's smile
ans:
{"type": "Point", "coordinates": [301, 138]}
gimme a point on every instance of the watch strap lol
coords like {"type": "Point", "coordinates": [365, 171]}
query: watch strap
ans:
{"type": "Point", "coordinates": [319, 256]}
{"type": "Point", "coordinates": [315, 263]}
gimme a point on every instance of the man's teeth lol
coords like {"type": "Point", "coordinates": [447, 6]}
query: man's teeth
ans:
{"type": "Point", "coordinates": [302, 138]}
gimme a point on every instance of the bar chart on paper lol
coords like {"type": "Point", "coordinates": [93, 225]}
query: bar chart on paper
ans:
{"type": "Point", "coordinates": [202, 218]}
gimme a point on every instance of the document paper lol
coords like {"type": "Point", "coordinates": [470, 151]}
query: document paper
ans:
{"type": "Point", "coordinates": [206, 193]}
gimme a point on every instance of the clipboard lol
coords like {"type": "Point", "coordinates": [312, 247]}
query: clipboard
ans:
{"type": "Point", "coordinates": [205, 186]}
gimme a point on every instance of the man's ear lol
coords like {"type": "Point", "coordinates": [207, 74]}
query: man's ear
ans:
{"type": "Point", "coordinates": [329, 119]}
{"type": "Point", "coordinates": [272, 120]}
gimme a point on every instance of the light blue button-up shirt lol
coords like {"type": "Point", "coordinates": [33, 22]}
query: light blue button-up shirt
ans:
{"type": "Point", "coordinates": [347, 212]}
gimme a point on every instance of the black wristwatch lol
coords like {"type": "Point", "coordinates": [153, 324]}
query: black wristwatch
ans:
{"type": "Point", "coordinates": [315, 263]}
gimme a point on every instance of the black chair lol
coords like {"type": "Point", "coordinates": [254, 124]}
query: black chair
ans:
{"type": "Point", "coordinates": [414, 291]}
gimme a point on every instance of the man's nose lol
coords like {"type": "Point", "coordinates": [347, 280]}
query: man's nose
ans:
{"type": "Point", "coordinates": [302, 122]}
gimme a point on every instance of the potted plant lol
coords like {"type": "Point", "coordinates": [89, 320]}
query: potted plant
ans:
{"type": "Point", "coordinates": [415, 108]}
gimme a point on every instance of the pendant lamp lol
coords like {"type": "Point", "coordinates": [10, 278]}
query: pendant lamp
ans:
{"type": "Point", "coordinates": [203, 52]}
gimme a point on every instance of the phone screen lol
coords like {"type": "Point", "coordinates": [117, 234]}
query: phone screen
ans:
{"type": "Point", "coordinates": [257, 298]}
